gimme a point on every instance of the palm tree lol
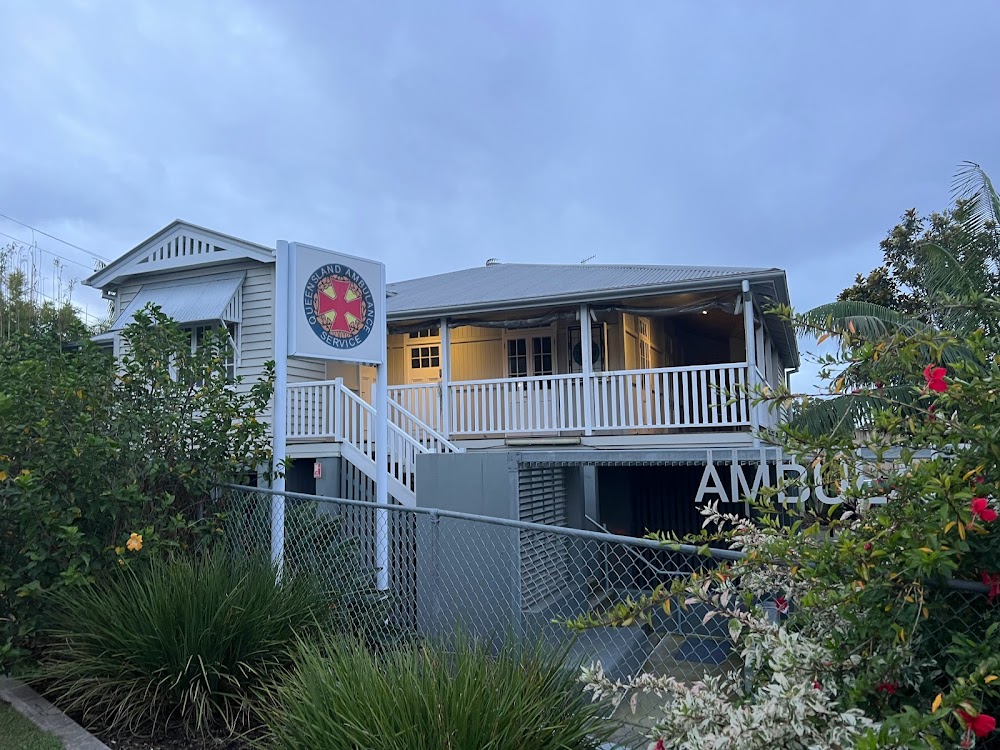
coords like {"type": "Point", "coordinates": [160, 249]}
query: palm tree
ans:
{"type": "Point", "coordinates": [962, 284]}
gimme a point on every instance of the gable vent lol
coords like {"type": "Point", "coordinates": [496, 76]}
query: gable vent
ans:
{"type": "Point", "coordinates": [182, 245]}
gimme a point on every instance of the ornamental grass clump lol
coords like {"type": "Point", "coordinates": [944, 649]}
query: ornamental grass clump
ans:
{"type": "Point", "coordinates": [426, 697]}
{"type": "Point", "coordinates": [174, 646]}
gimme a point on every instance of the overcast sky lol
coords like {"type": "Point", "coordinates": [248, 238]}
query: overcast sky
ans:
{"type": "Point", "coordinates": [434, 135]}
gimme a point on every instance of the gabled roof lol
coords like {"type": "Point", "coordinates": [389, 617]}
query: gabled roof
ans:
{"type": "Point", "coordinates": [518, 285]}
{"type": "Point", "coordinates": [178, 245]}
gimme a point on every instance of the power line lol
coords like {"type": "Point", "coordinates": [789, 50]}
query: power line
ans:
{"type": "Point", "coordinates": [46, 251]}
{"type": "Point", "coordinates": [57, 239]}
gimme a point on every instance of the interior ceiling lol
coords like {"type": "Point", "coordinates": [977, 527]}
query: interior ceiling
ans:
{"type": "Point", "coordinates": [653, 303]}
{"type": "Point", "coordinates": [716, 323]}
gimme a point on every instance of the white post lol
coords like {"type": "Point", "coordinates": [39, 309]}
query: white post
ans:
{"type": "Point", "coordinates": [278, 414]}
{"type": "Point", "coordinates": [382, 464]}
{"type": "Point", "coordinates": [750, 340]}
{"type": "Point", "coordinates": [445, 378]}
{"type": "Point", "coordinates": [587, 362]}
{"type": "Point", "coordinates": [339, 407]}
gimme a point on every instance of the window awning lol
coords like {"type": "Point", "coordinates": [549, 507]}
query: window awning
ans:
{"type": "Point", "coordinates": [202, 301]}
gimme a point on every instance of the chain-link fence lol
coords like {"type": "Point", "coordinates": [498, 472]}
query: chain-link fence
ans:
{"type": "Point", "coordinates": [400, 573]}
{"type": "Point", "coordinates": [490, 578]}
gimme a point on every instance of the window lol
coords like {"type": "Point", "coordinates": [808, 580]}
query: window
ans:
{"type": "Point", "coordinates": [522, 361]}
{"type": "Point", "coordinates": [426, 333]}
{"type": "Point", "coordinates": [644, 348]}
{"type": "Point", "coordinates": [517, 358]}
{"type": "Point", "coordinates": [541, 350]}
{"type": "Point", "coordinates": [425, 357]}
{"type": "Point", "coordinates": [231, 352]}
{"type": "Point", "coordinates": [644, 355]}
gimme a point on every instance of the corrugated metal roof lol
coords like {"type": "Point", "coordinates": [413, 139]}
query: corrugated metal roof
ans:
{"type": "Point", "coordinates": [185, 302]}
{"type": "Point", "coordinates": [519, 283]}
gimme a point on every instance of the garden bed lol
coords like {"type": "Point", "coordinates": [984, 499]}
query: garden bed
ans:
{"type": "Point", "coordinates": [170, 741]}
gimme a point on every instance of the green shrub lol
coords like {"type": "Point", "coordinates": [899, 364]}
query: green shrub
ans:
{"type": "Point", "coordinates": [426, 697]}
{"type": "Point", "coordinates": [184, 643]}
{"type": "Point", "coordinates": [91, 453]}
{"type": "Point", "coordinates": [318, 543]}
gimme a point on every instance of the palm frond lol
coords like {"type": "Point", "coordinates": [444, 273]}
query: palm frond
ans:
{"type": "Point", "coordinates": [945, 275]}
{"type": "Point", "coordinates": [972, 185]}
{"type": "Point", "coordinates": [867, 319]}
{"type": "Point", "coordinates": [845, 414]}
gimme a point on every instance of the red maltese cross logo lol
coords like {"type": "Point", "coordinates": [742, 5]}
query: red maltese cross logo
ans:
{"type": "Point", "coordinates": [340, 305]}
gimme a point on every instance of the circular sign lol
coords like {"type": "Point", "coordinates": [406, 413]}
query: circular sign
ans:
{"type": "Point", "coordinates": [595, 352]}
{"type": "Point", "coordinates": [339, 306]}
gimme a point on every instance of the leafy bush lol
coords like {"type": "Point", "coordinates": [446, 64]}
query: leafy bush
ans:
{"type": "Point", "coordinates": [91, 453]}
{"type": "Point", "coordinates": [426, 697]}
{"type": "Point", "coordinates": [872, 644]}
{"type": "Point", "coordinates": [176, 643]}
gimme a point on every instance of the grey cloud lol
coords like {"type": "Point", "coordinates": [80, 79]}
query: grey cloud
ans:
{"type": "Point", "coordinates": [436, 134]}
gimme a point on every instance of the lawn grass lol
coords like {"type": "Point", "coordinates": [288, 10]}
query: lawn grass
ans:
{"type": "Point", "coordinates": [18, 733]}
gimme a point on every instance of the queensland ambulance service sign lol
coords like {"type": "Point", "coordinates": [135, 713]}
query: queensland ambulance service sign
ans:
{"type": "Point", "coordinates": [337, 306]}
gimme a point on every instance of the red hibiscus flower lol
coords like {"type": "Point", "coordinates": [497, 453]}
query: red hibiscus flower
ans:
{"type": "Point", "coordinates": [993, 581]}
{"type": "Point", "coordinates": [781, 604]}
{"type": "Point", "coordinates": [981, 509]}
{"type": "Point", "coordinates": [980, 724]}
{"type": "Point", "coordinates": [888, 688]}
{"type": "Point", "coordinates": [817, 685]}
{"type": "Point", "coordinates": [935, 378]}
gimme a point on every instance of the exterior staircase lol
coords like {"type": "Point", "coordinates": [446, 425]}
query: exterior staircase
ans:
{"type": "Point", "coordinates": [340, 415]}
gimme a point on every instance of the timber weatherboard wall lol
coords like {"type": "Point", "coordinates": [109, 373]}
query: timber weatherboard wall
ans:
{"type": "Point", "coordinates": [256, 329]}
{"type": "Point", "coordinates": [476, 353]}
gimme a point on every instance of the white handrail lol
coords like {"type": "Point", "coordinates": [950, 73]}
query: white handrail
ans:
{"type": "Point", "coordinates": [360, 403]}
{"type": "Point", "coordinates": [528, 379]}
{"type": "Point", "coordinates": [432, 436]}
{"type": "Point", "coordinates": [423, 400]}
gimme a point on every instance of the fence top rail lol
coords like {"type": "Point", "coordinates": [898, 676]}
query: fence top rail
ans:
{"type": "Point", "coordinates": [434, 513]}
{"type": "Point", "coordinates": [595, 536]}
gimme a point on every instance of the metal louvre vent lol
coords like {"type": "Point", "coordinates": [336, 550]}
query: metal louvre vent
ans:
{"type": "Point", "coordinates": [544, 557]}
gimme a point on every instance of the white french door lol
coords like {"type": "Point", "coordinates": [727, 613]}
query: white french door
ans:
{"type": "Point", "coordinates": [530, 354]}
{"type": "Point", "coordinates": [423, 365]}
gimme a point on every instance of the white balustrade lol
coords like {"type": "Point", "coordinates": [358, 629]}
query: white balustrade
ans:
{"type": "Point", "coordinates": [669, 398]}
{"type": "Point", "coordinates": [419, 430]}
{"type": "Point", "coordinates": [312, 410]}
{"type": "Point", "coordinates": [550, 403]}
{"type": "Point", "coordinates": [422, 400]}
{"type": "Point", "coordinates": [672, 398]}
{"type": "Point", "coordinates": [359, 433]}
